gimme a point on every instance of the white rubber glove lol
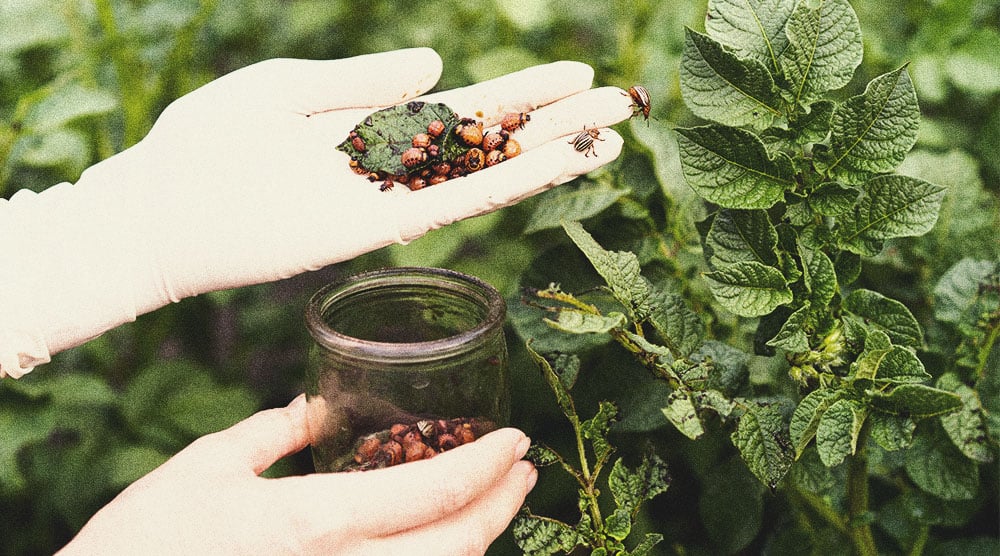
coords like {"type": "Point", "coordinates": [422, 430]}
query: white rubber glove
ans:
{"type": "Point", "coordinates": [240, 182]}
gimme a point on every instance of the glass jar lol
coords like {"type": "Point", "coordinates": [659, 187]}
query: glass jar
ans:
{"type": "Point", "coordinates": [406, 363]}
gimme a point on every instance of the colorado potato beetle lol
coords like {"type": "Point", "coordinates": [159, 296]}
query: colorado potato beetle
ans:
{"type": "Point", "coordinates": [514, 120]}
{"type": "Point", "coordinates": [494, 157]}
{"type": "Point", "coordinates": [511, 148]}
{"type": "Point", "coordinates": [357, 168]}
{"type": "Point", "coordinates": [357, 142]}
{"type": "Point", "coordinates": [640, 101]}
{"type": "Point", "coordinates": [441, 168]}
{"type": "Point", "coordinates": [584, 141]}
{"type": "Point", "coordinates": [435, 128]}
{"type": "Point", "coordinates": [470, 132]}
{"type": "Point", "coordinates": [475, 159]}
{"type": "Point", "coordinates": [421, 140]}
{"type": "Point", "coordinates": [494, 141]}
{"type": "Point", "coordinates": [413, 156]}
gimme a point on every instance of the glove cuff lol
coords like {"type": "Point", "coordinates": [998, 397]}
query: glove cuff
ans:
{"type": "Point", "coordinates": [75, 266]}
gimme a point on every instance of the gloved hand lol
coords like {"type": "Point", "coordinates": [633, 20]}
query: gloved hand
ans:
{"type": "Point", "coordinates": [240, 182]}
{"type": "Point", "coordinates": [209, 499]}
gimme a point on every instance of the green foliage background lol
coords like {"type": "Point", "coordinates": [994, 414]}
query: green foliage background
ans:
{"type": "Point", "coordinates": [80, 81]}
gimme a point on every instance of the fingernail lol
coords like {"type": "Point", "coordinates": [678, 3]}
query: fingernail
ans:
{"type": "Point", "coordinates": [522, 447]}
{"type": "Point", "coordinates": [531, 479]}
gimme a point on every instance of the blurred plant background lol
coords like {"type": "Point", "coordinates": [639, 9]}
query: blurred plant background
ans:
{"type": "Point", "coordinates": [80, 81]}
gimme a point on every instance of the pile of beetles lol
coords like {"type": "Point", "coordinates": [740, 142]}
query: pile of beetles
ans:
{"type": "Point", "coordinates": [444, 148]}
{"type": "Point", "coordinates": [423, 439]}
{"type": "Point", "coordinates": [420, 144]}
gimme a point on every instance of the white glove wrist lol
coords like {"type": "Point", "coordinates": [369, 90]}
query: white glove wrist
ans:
{"type": "Point", "coordinates": [76, 272]}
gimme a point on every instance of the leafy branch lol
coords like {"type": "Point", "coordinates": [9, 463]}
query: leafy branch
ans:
{"type": "Point", "coordinates": [802, 189]}
{"type": "Point", "coordinates": [539, 535]}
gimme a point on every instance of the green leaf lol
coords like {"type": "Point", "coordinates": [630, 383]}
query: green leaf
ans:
{"type": "Point", "coordinates": [820, 276]}
{"type": "Point", "coordinates": [718, 86]}
{"type": "Point", "coordinates": [752, 29]}
{"type": "Point", "coordinates": [838, 430]}
{"type": "Point", "coordinates": [937, 467]}
{"type": "Point", "coordinates": [957, 293]}
{"type": "Point", "coordinates": [833, 199]}
{"type": "Point", "coordinates": [731, 167]}
{"type": "Point", "coordinates": [749, 289]}
{"type": "Point", "coordinates": [848, 267]}
{"type": "Point", "coordinates": [70, 390]}
{"type": "Point", "coordinates": [200, 407]}
{"type": "Point", "coordinates": [580, 322]}
{"type": "Point", "coordinates": [620, 269]}
{"type": "Point", "coordinates": [645, 547]}
{"type": "Point", "coordinates": [731, 506]}
{"type": "Point", "coordinates": [966, 427]}
{"type": "Point", "coordinates": [389, 132]}
{"type": "Point", "coordinates": [618, 525]}
{"type": "Point", "coordinates": [30, 25]}
{"type": "Point", "coordinates": [540, 536]}
{"type": "Point", "coordinates": [567, 367]}
{"type": "Point", "coordinates": [541, 455]}
{"type": "Point", "coordinates": [872, 132]}
{"type": "Point", "coordinates": [596, 429]}
{"type": "Point", "coordinates": [563, 398]}
{"type": "Point", "coordinates": [21, 426]}
{"type": "Point", "coordinates": [988, 388]}
{"type": "Point", "coordinates": [916, 400]}
{"type": "Point", "coordinates": [973, 67]}
{"type": "Point", "coordinates": [882, 361]}
{"type": "Point", "coordinates": [676, 323]}
{"type": "Point", "coordinates": [741, 235]}
{"type": "Point", "coordinates": [824, 48]}
{"type": "Point", "coordinates": [65, 148]}
{"type": "Point", "coordinates": [892, 432]}
{"type": "Point", "coordinates": [715, 401]}
{"type": "Point", "coordinates": [173, 401]}
{"type": "Point", "coordinates": [882, 313]}
{"type": "Point", "coordinates": [810, 475]}
{"type": "Point", "coordinates": [729, 366]}
{"type": "Point", "coordinates": [761, 438]}
{"type": "Point", "coordinates": [792, 337]}
{"type": "Point", "coordinates": [567, 203]}
{"type": "Point", "coordinates": [67, 104]}
{"type": "Point", "coordinates": [901, 366]}
{"type": "Point", "coordinates": [807, 415]}
{"type": "Point", "coordinates": [631, 488]}
{"type": "Point", "coordinates": [892, 206]}
{"type": "Point", "coordinates": [812, 126]}
{"type": "Point", "coordinates": [681, 411]}
{"type": "Point", "coordinates": [970, 213]}
{"type": "Point", "coordinates": [877, 346]}
{"type": "Point", "coordinates": [131, 462]}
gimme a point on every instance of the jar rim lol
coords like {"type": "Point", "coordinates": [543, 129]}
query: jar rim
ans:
{"type": "Point", "coordinates": [404, 352]}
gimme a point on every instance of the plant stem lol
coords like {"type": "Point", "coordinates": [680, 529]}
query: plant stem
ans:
{"type": "Point", "coordinates": [984, 352]}
{"type": "Point", "coordinates": [822, 509]}
{"type": "Point", "coordinates": [920, 542]}
{"type": "Point", "coordinates": [857, 496]}
{"type": "Point", "coordinates": [588, 479]}
{"type": "Point", "coordinates": [128, 68]}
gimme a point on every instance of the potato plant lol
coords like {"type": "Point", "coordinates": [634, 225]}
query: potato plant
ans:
{"type": "Point", "coordinates": [800, 191]}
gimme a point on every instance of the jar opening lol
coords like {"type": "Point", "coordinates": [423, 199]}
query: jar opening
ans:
{"type": "Point", "coordinates": [406, 314]}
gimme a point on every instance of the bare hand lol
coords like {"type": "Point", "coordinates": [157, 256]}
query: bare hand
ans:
{"type": "Point", "coordinates": [209, 499]}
